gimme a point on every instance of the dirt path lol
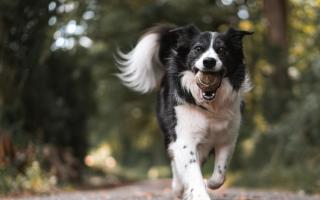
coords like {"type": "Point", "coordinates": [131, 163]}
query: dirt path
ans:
{"type": "Point", "coordinates": [160, 190]}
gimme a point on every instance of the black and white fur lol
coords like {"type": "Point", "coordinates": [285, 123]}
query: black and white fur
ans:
{"type": "Point", "coordinates": [168, 57]}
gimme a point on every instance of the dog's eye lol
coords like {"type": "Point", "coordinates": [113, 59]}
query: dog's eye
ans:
{"type": "Point", "coordinates": [198, 48]}
{"type": "Point", "coordinates": [221, 50]}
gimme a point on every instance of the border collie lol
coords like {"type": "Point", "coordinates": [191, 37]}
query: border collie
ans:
{"type": "Point", "coordinates": [194, 124]}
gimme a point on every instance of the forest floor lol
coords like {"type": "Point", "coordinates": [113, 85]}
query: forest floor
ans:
{"type": "Point", "coordinates": [160, 190]}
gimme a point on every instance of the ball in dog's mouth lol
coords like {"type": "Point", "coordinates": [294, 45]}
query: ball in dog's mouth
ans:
{"type": "Point", "coordinates": [208, 82]}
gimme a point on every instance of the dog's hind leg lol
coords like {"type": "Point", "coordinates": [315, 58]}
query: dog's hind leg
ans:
{"type": "Point", "coordinates": [222, 157]}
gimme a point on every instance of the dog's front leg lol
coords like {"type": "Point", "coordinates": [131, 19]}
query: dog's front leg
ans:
{"type": "Point", "coordinates": [177, 185]}
{"type": "Point", "coordinates": [222, 156]}
{"type": "Point", "coordinates": [186, 162]}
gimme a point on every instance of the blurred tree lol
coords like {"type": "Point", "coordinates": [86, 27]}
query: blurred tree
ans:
{"type": "Point", "coordinates": [276, 12]}
{"type": "Point", "coordinates": [46, 97]}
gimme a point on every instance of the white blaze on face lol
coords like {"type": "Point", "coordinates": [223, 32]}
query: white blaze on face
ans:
{"type": "Point", "coordinates": [209, 53]}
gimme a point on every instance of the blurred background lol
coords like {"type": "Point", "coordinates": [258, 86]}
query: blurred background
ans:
{"type": "Point", "coordinates": [66, 121]}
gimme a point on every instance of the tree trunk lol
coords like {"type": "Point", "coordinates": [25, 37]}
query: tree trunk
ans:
{"type": "Point", "coordinates": [275, 12]}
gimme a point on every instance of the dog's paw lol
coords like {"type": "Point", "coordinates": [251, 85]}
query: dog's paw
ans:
{"type": "Point", "coordinates": [196, 195]}
{"type": "Point", "coordinates": [215, 182]}
{"type": "Point", "coordinates": [177, 189]}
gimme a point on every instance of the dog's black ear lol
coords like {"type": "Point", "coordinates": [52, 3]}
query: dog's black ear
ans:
{"type": "Point", "coordinates": [234, 37]}
{"type": "Point", "coordinates": [184, 34]}
{"type": "Point", "coordinates": [186, 31]}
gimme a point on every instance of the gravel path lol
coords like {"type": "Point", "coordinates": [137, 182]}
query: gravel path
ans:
{"type": "Point", "coordinates": [160, 190]}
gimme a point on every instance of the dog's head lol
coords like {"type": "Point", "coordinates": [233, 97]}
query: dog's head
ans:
{"type": "Point", "coordinates": [209, 51]}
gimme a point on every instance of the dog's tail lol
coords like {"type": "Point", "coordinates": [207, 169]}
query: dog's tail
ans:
{"type": "Point", "coordinates": [143, 67]}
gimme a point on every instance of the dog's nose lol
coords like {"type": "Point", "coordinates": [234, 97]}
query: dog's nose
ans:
{"type": "Point", "coordinates": [209, 63]}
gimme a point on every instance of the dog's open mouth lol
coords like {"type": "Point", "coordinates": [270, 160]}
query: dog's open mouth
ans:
{"type": "Point", "coordinates": [208, 95]}
{"type": "Point", "coordinates": [209, 83]}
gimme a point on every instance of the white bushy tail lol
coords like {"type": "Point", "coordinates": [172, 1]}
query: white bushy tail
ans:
{"type": "Point", "coordinates": [141, 69]}
{"type": "Point", "coordinates": [247, 85]}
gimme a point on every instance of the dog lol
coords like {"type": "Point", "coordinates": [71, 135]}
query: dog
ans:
{"type": "Point", "coordinates": [195, 123]}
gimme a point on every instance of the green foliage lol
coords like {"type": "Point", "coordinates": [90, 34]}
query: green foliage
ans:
{"type": "Point", "coordinates": [34, 179]}
{"type": "Point", "coordinates": [47, 95]}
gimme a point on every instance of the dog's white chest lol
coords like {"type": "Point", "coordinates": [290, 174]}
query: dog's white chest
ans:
{"type": "Point", "coordinates": [216, 120]}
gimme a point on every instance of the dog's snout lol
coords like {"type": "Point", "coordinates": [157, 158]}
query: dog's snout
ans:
{"type": "Point", "coordinates": [209, 63]}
